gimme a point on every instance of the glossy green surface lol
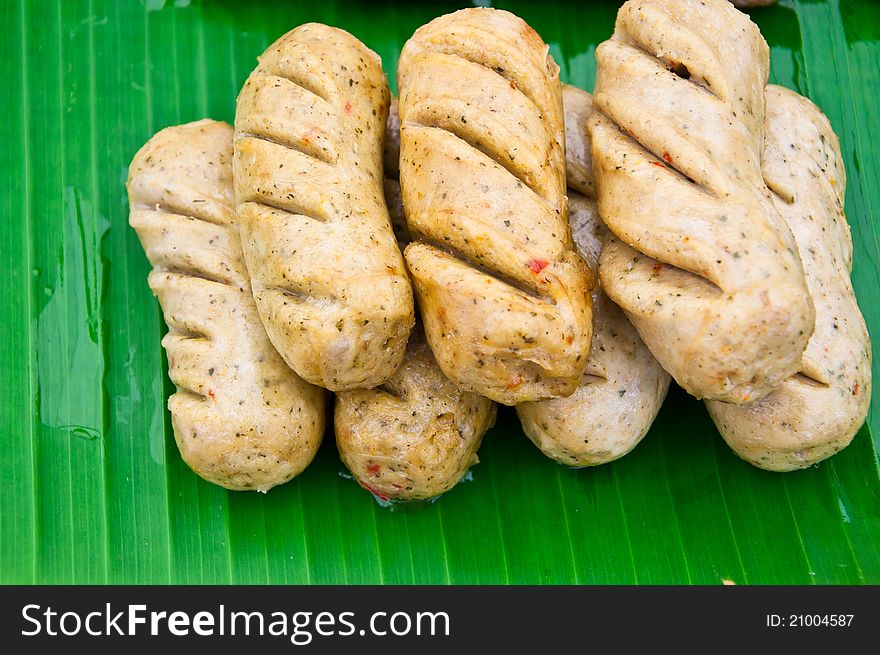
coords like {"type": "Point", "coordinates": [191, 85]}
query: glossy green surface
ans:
{"type": "Point", "coordinates": [92, 488]}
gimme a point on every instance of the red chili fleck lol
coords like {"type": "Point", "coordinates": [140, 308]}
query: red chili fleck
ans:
{"type": "Point", "coordinates": [376, 493]}
{"type": "Point", "coordinates": [667, 158]}
{"type": "Point", "coordinates": [211, 393]}
{"type": "Point", "coordinates": [347, 107]}
{"type": "Point", "coordinates": [569, 339]}
{"type": "Point", "coordinates": [856, 389]}
{"type": "Point", "coordinates": [373, 469]}
{"type": "Point", "coordinates": [538, 265]}
{"type": "Point", "coordinates": [657, 268]}
{"type": "Point", "coordinates": [657, 163]}
{"type": "Point", "coordinates": [517, 380]}
{"type": "Point", "coordinates": [309, 134]}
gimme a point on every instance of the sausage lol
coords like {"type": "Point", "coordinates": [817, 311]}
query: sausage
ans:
{"type": "Point", "coordinates": [328, 279]}
{"type": "Point", "coordinates": [623, 386]}
{"type": "Point", "coordinates": [817, 411]}
{"type": "Point", "coordinates": [414, 437]}
{"type": "Point", "coordinates": [242, 419]}
{"type": "Point", "coordinates": [503, 294]}
{"type": "Point", "coordinates": [701, 261]}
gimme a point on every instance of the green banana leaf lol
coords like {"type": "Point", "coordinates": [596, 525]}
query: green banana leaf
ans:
{"type": "Point", "coordinates": [92, 489]}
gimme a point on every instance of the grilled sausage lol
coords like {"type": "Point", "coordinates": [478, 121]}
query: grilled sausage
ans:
{"type": "Point", "coordinates": [504, 296]}
{"type": "Point", "coordinates": [328, 279]}
{"type": "Point", "coordinates": [702, 261]}
{"type": "Point", "coordinates": [414, 437]}
{"type": "Point", "coordinates": [817, 411]}
{"type": "Point", "coordinates": [623, 386]}
{"type": "Point", "coordinates": [242, 419]}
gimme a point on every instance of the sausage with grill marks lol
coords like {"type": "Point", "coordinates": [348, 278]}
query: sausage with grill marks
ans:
{"type": "Point", "coordinates": [623, 386]}
{"type": "Point", "coordinates": [328, 279]}
{"type": "Point", "coordinates": [702, 261]}
{"type": "Point", "coordinates": [816, 412]}
{"type": "Point", "coordinates": [503, 294]}
{"type": "Point", "coordinates": [242, 419]}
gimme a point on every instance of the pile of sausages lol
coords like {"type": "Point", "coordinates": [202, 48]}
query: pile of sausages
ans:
{"type": "Point", "coordinates": [498, 237]}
